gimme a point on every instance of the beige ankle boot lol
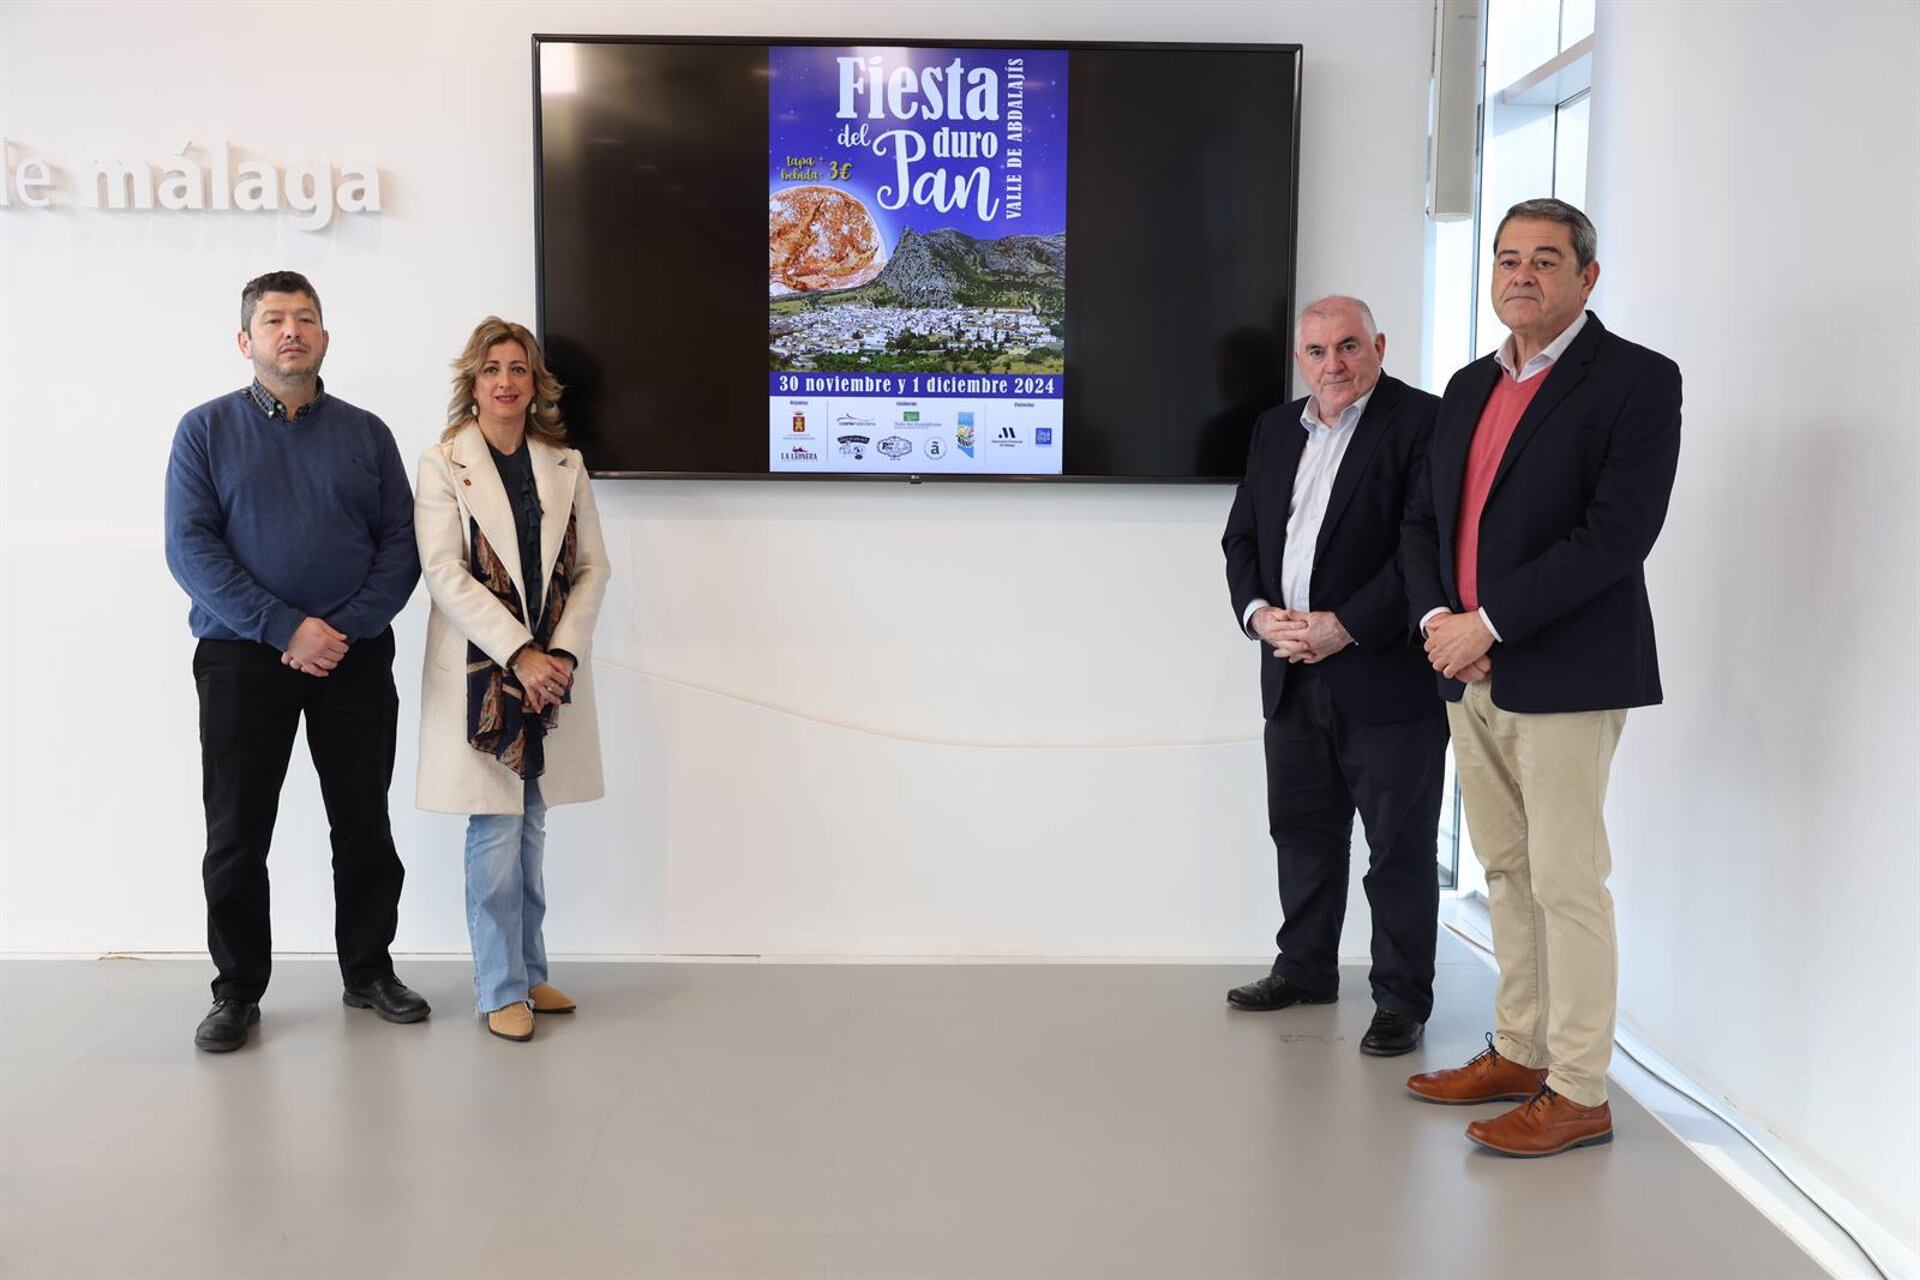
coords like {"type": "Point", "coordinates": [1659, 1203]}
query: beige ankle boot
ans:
{"type": "Point", "coordinates": [514, 1022]}
{"type": "Point", "coordinates": [550, 999]}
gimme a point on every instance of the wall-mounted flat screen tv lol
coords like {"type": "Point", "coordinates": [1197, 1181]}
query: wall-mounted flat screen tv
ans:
{"type": "Point", "coordinates": [985, 260]}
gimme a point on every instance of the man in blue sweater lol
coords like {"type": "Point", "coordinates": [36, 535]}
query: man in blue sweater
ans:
{"type": "Point", "coordinates": [290, 525]}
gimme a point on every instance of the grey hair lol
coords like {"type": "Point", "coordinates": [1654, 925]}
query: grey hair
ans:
{"type": "Point", "coordinates": [1331, 304]}
{"type": "Point", "coordinates": [1586, 241]}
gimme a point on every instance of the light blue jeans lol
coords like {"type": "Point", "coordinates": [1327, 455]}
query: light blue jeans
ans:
{"type": "Point", "coordinates": [507, 902]}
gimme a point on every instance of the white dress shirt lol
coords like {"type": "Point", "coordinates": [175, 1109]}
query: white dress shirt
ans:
{"type": "Point", "coordinates": [1540, 363]}
{"type": "Point", "coordinates": [1312, 487]}
{"type": "Point", "coordinates": [1548, 354]}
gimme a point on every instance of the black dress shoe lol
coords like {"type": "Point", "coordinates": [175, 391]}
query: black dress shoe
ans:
{"type": "Point", "coordinates": [1273, 992]}
{"type": "Point", "coordinates": [389, 997]}
{"type": "Point", "coordinates": [226, 1026]}
{"type": "Point", "coordinates": [1391, 1034]}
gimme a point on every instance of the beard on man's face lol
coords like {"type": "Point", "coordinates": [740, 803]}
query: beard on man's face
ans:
{"type": "Point", "coordinates": [295, 364]}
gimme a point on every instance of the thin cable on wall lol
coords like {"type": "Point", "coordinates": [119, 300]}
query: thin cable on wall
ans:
{"type": "Point", "coordinates": [921, 739]}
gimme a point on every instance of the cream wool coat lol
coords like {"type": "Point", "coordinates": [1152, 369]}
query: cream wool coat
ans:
{"type": "Point", "coordinates": [457, 479]}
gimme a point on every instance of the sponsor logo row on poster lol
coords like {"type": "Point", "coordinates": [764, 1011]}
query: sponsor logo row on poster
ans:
{"type": "Point", "coordinates": [1005, 437]}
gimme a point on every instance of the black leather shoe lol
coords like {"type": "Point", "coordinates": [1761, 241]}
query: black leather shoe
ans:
{"type": "Point", "coordinates": [1273, 992]}
{"type": "Point", "coordinates": [389, 997]}
{"type": "Point", "coordinates": [226, 1026]}
{"type": "Point", "coordinates": [1391, 1034]}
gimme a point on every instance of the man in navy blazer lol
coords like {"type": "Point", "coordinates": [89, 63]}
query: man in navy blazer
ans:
{"type": "Point", "coordinates": [1352, 718]}
{"type": "Point", "coordinates": [1548, 480]}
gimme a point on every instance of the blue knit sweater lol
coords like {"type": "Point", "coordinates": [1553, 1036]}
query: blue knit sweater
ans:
{"type": "Point", "coordinates": [270, 521]}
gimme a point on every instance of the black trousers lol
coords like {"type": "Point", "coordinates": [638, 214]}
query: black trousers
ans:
{"type": "Point", "coordinates": [250, 708]}
{"type": "Point", "coordinates": [1322, 766]}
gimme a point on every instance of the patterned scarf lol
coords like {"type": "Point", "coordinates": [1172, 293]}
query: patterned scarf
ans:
{"type": "Point", "coordinates": [498, 721]}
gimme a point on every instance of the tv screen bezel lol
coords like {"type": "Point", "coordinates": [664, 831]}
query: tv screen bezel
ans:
{"type": "Point", "coordinates": [539, 229]}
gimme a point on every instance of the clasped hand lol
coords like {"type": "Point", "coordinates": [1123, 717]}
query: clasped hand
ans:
{"type": "Point", "coordinates": [544, 678]}
{"type": "Point", "coordinates": [1457, 645]}
{"type": "Point", "coordinates": [1297, 636]}
{"type": "Point", "coordinates": [315, 649]}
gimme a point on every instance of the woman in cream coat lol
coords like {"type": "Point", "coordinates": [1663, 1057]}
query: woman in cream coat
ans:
{"type": "Point", "coordinates": [507, 725]}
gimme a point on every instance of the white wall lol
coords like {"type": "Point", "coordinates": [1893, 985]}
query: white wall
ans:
{"type": "Point", "coordinates": [839, 719]}
{"type": "Point", "coordinates": [1756, 183]}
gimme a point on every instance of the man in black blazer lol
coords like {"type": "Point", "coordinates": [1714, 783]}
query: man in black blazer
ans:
{"type": "Point", "coordinates": [1548, 481]}
{"type": "Point", "coordinates": [1353, 721]}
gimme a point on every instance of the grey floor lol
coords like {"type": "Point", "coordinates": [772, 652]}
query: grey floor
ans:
{"type": "Point", "coordinates": [803, 1120]}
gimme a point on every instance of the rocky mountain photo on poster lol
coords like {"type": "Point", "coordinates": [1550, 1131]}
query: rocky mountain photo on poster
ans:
{"type": "Point", "coordinates": [944, 300]}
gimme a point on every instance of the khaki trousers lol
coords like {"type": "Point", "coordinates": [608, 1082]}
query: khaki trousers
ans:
{"type": "Point", "coordinates": [1534, 787]}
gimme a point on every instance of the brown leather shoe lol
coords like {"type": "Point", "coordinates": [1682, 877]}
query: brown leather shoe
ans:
{"type": "Point", "coordinates": [550, 999]}
{"type": "Point", "coordinates": [512, 1022]}
{"type": "Point", "coordinates": [1487, 1077]}
{"type": "Point", "coordinates": [1544, 1125]}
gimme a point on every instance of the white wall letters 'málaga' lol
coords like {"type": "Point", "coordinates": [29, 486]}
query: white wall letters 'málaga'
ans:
{"type": "Point", "coordinates": [310, 193]}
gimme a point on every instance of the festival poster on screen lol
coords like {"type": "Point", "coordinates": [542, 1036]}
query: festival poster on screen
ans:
{"type": "Point", "coordinates": [916, 260]}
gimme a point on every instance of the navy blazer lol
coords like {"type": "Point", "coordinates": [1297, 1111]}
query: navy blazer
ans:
{"type": "Point", "coordinates": [1383, 675]}
{"type": "Point", "coordinates": [1576, 504]}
